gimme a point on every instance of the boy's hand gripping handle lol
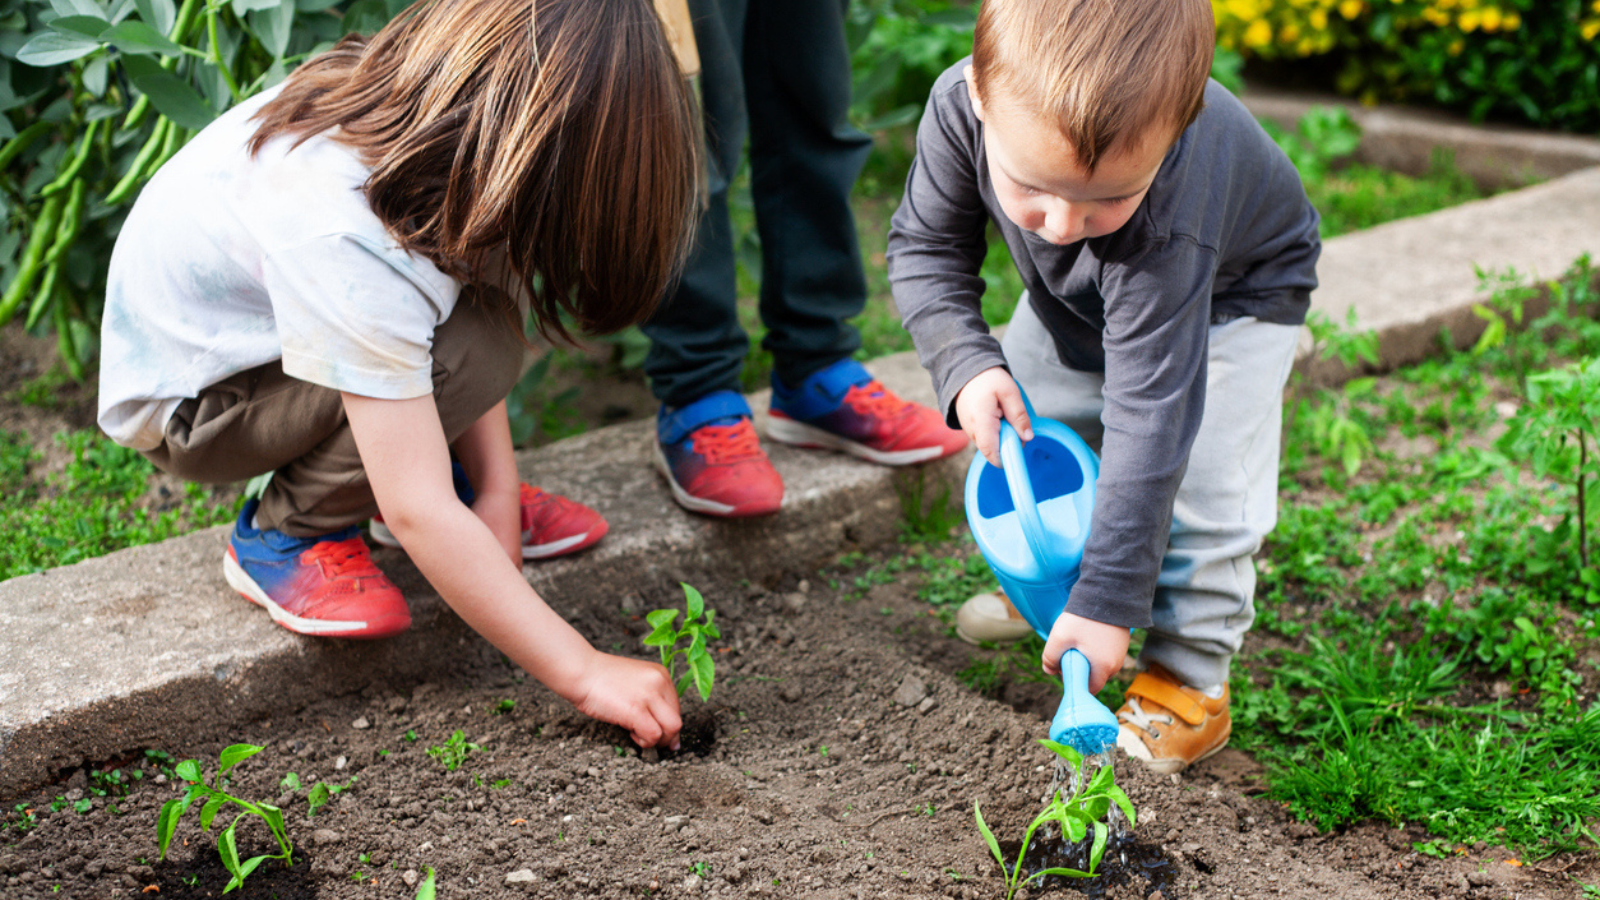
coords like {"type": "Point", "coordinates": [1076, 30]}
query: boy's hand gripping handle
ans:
{"type": "Point", "coordinates": [1082, 722]}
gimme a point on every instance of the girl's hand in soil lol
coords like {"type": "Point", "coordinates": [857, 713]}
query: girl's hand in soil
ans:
{"type": "Point", "coordinates": [632, 693]}
{"type": "Point", "coordinates": [980, 405]}
{"type": "Point", "coordinates": [1105, 646]}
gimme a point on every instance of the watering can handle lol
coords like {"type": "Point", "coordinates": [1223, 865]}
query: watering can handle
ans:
{"type": "Point", "coordinates": [1022, 498]}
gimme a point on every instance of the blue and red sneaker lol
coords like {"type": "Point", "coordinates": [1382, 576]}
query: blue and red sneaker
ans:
{"type": "Point", "coordinates": [712, 458]}
{"type": "Point", "coordinates": [842, 407]}
{"type": "Point", "coordinates": [326, 586]}
{"type": "Point", "coordinates": [552, 525]}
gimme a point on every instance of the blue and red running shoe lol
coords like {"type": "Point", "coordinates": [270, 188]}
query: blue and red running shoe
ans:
{"type": "Point", "coordinates": [326, 586]}
{"type": "Point", "coordinates": [842, 407]}
{"type": "Point", "coordinates": [712, 458]}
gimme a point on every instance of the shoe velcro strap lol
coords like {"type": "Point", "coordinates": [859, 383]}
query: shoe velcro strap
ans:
{"type": "Point", "coordinates": [1166, 694]}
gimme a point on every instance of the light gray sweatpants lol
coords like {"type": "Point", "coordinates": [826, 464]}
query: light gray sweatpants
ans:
{"type": "Point", "coordinates": [1228, 499]}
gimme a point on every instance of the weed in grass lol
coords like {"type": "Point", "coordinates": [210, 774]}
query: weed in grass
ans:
{"type": "Point", "coordinates": [1079, 813]}
{"type": "Point", "coordinates": [215, 799]}
{"type": "Point", "coordinates": [454, 751]}
{"type": "Point", "coordinates": [699, 666]}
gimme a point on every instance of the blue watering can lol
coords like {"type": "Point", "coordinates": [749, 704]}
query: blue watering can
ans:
{"type": "Point", "coordinates": [1031, 520]}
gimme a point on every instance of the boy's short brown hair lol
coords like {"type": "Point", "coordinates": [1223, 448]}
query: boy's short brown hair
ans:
{"type": "Point", "coordinates": [1107, 70]}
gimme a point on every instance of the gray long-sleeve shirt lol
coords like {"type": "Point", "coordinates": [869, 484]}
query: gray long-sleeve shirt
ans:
{"type": "Point", "coordinates": [1224, 231]}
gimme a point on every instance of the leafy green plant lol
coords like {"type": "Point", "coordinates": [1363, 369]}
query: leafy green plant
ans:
{"type": "Point", "coordinates": [1554, 432]}
{"type": "Point", "coordinates": [1323, 137]}
{"type": "Point", "coordinates": [1080, 812]}
{"type": "Point", "coordinates": [322, 793]}
{"type": "Point", "coordinates": [216, 798]}
{"type": "Point", "coordinates": [454, 751]}
{"type": "Point", "coordinates": [687, 641]}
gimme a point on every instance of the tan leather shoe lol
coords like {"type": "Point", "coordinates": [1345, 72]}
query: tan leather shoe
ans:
{"type": "Point", "coordinates": [1168, 725]}
{"type": "Point", "coordinates": [991, 617]}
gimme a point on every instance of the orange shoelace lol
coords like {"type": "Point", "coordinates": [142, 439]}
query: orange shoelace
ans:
{"type": "Point", "coordinates": [721, 444]}
{"type": "Point", "coordinates": [873, 399]}
{"type": "Point", "coordinates": [342, 559]}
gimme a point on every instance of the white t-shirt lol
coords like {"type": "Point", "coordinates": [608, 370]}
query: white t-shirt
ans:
{"type": "Point", "coordinates": [228, 262]}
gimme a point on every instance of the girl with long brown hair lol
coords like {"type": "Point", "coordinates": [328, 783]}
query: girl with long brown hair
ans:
{"type": "Point", "coordinates": [328, 284]}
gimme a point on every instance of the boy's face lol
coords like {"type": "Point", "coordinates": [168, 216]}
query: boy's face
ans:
{"type": "Point", "coordinates": [1042, 188]}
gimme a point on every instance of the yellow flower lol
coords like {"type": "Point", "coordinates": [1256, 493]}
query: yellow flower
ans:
{"type": "Point", "coordinates": [1436, 17]}
{"type": "Point", "coordinates": [1469, 20]}
{"type": "Point", "coordinates": [1589, 29]}
{"type": "Point", "coordinates": [1319, 19]}
{"type": "Point", "coordinates": [1351, 8]}
{"type": "Point", "coordinates": [1289, 33]}
{"type": "Point", "coordinates": [1492, 19]}
{"type": "Point", "coordinates": [1456, 46]}
{"type": "Point", "coordinates": [1258, 35]}
{"type": "Point", "coordinates": [1512, 21]}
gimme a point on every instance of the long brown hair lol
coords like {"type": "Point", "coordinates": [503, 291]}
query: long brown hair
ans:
{"type": "Point", "coordinates": [558, 132]}
{"type": "Point", "coordinates": [1108, 71]}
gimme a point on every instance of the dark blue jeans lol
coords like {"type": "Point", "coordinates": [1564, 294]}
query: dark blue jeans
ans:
{"type": "Point", "coordinates": [779, 72]}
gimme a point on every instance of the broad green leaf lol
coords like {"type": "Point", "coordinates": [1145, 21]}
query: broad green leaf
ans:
{"type": "Point", "coordinates": [189, 770]}
{"type": "Point", "coordinates": [697, 603]}
{"type": "Point", "coordinates": [1098, 850]}
{"type": "Point", "coordinates": [167, 823]}
{"type": "Point", "coordinates": [274, 817]}
{"type": "Point", "coordinates": [158, 14]}
{"type": "Point", "coordinates": [79, 8]}
{"type": "Point", "coordinates": [988, 836]}
{"type": "Point", "coordinates": [1062, 750]}
{"type": "Point", "coordinates": [52, 48]}
{"type": "Point", "coordinates": [274, 26]}
{"type": "Point", "coordinates": [425, 890]}
{"type": "Point", "coordinates": [290, 782]}
{"type": "Point", "coordinates": [228, 849]}
{"type": "Point", "coordinates": [134, 36]}
{"type": "Point", "coordinates": [96, 75]}
{"type": "Point", "coordinates": [89, 27]}
{"type": "Point", "coordinates": [365, 16]}
{"type": "Point", "coordinates": [249, 866]}
{"type": "Point", "coordinates": [240, 7]}
{"type": "Point", "coordinates": [1103, 777]}
{"type": "Point", "coordinates": [209, 811]}
{"type": "Point", "coordinates": [1074, 828]}
{"type": "Point", "coordinates": [317, 798]}
{"type": "Point", "coordinates": [1063, 872]}
{"type": "Point", "coordinates": [172, 96]}
{"type": "Point", "coordinates": [703, 667]}
{"type": "Point", "coordinates": [1123, 803]}
{"type": "Point", "coordinates": [238, 753]}
{"type": "Point", "coordinates": [660, 617]}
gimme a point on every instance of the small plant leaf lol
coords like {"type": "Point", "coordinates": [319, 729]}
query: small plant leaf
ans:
{"type": "Point", "coordinates": [1063, 872]}
{"type": "Point", "coordinates": [167, 823]}
{"type": "Point", "coordinates": [696, 603]}
{"type": "Point", "coordinates": [703, 668]}
{"type": "Point", "coordinates": [228, 849]}
{"type": "Point", "coordinates": [290, 782]}
{"type": "Point", "coordinates": [209, 811]}
{"type": "Point", "coordinates": [189, 770]}
{"type": "Point", "coordinates": [1123, 803]}
{"type": "Point", "coordinates": [425, 890]}
{"type": "Point", "coordinates": [52, 48]}
{"type": "Point", "coordinates": [238, 753]}
{"type": "Point", "coordinates": [1098, 850]}
{"type": "Point", "coordinates": [1074, 829]}
{"type": "Point", "coordinates": [274, 817]}
{"type": "Point", "coordinates": [317, 797]}
{"type": "Point", "coordinates": [250, 865]}
{"type": "Point", "coordinates": [988, 836]}
{"type": "Point", "coordinates": [134, 36]}
{"type": "Point", "coordinates": [1062, 750]}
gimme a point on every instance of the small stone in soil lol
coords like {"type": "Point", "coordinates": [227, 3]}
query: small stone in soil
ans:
{"type": "Point", "coordinates": [911, 691]}
{"type": "Point", "coordinates": [521, 876]}
{"type": "Point", "coordinates": [361, 724]}
{"type": "Point", "coordinates": [410, 877]}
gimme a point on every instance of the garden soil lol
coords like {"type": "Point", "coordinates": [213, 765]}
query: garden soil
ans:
{"type": "Point", "coordinates": [839, 757]}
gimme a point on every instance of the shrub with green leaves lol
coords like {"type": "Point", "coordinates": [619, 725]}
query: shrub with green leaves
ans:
{"type": "Point", "coordinates": [1079, 813]}
{"type": "Point", "coordinates": [216, 798]}
{"type": "Point", "coordinates": [688, 642]}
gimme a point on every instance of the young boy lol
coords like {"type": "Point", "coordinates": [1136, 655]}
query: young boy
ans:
{"type": "Point", "coordinates": [1168, 251]}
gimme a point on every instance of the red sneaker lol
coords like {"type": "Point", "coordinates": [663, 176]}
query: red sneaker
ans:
{"type": "Point", "coordinates": [552, 525]}
{"type": "Point", "coordinates": [712, 458]}
{"type": "Point", "coordinates": [844, 408]}
{"type": "Point", "coordinates": [326, 586]}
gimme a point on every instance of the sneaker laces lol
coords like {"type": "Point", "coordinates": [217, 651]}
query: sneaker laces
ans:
{"type": "Point", "coordinates": [1142, 720]}
{"type": "Point", "coordinates": [348, 558]}
{"type": "Point", "coordinates": [727, 443]}
{"type": "Point", "coordinates": [873, 399]}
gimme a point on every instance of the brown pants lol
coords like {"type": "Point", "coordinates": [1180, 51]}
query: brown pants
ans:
{"type": "Point", "coordinates": [262, 421]}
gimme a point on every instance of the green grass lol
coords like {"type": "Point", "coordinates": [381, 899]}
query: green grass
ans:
{"type": "Point", "coordinates": [90, 508]}
{"type": "Point", "coordinates": [1361, 196]}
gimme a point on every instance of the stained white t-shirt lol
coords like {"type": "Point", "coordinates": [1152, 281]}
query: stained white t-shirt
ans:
{"type": "Point", "coordinates": [228, 262]}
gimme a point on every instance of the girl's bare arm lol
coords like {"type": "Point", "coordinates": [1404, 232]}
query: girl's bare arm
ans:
{"type": "Point", "coordinates": [403, 449]}
{"type": "Point", "coordinates": [485, 452]}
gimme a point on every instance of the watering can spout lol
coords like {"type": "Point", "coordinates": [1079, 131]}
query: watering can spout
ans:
{"type": "Point", "coordinates": [1082, 722]}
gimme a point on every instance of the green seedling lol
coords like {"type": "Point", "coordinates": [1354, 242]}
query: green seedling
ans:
{"type": "Point", "coordinates": [215, 799]}
{"type": "Point", "coordinates": [425, 890]}
{"type": "Point", "coordinates": [503, 707]}
{"type": "Point", "coordinates": [454, 751]}
{"type": "Point", "coordinates": [1555, 432]}
{"type": "Point", "coordinates": [1078, 814]}
{"type": "Point", "coordinates": [699, 667]}
{"type": "Point", "coordinates": [322, 793]}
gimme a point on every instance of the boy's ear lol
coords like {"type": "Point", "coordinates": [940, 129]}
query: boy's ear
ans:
{"type": "Point", "coordinates": [972, 94]}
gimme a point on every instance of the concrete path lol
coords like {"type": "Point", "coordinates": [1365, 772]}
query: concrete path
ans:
{"type": "Point", "coordinates": [145, 647]}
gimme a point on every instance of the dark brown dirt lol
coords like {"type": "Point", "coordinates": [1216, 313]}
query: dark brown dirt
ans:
{"type": "Point", "coordinates": [843, 761]}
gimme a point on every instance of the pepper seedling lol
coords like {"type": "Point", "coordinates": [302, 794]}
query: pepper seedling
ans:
{"type": "Point", "coordinates": [215, 799]}
{"type": "Point", "coordinates": [1078, 813]}
{"type": "Point", "coordinates": [699, 667]}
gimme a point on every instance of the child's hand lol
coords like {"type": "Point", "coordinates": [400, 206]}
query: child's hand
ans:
{"type": "Point", "coordinates": [980, 405]}
{"type": "Point", "coordinates": [1106, 646]}
{"type": "Point", "coordinates": [633, 693]}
